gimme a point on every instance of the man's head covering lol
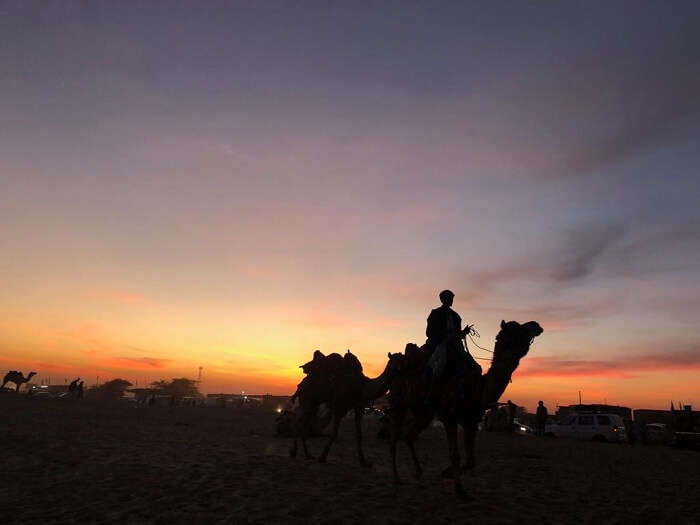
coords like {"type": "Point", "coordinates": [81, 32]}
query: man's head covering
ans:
{"type": "Point", "coordinates": [446, 293]}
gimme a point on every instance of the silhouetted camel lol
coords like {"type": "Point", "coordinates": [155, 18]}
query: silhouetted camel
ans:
{"type": "Point", "coordinates": [316, 389]}
{"type": "Point", "coordinates": [460, 401]}
{"type": "Point", "coordinates": [342, 393]}
{"type": "Point", "coordinates": [13, 376]}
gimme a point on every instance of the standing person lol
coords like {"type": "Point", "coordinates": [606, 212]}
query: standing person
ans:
{"type": "Point", "coordinates": [81, 389]}
{"type": "Point", "coordinates": [541, 417]}
{"type": "Point", "coordinates": [510, 410]}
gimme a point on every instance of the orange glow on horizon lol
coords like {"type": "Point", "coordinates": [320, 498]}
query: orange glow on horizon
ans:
{"type": "Point", "coordinates": [268, 362]}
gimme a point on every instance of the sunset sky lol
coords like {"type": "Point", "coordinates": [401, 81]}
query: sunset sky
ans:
{"type": "Point", "coordinates": [234, 184]}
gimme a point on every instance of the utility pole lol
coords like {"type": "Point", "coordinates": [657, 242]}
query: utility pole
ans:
{"type": "Point", "coordinates": [579, 398]}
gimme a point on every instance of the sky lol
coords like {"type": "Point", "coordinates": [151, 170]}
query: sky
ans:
{"type": "Point", "coordinates": [232, 185]}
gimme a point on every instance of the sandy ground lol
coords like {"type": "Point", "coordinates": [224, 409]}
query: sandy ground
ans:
{"type": "Point", "coordinates": [75, 461]}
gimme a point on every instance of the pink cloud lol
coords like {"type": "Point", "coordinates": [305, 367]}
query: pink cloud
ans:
{"type": "Point", "coordinates": [626, 368]}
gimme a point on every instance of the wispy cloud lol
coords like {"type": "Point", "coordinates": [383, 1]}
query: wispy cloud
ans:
{"type": "Point", "coordinates": [623, 368]}
{"type": "Point", "coordinates": [139, 363]}
{"type": "Point", "coordinates": [582, 249]}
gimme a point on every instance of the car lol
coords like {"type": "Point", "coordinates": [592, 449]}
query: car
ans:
{"type": "Point", "coordinates": [656, 433]}
{"type": "Point", "coordinates": [521, 428]}
{"type": "Point", "coordinates": [372, 412]}
{"type": "Point", "coordinates": [686, 440]}
{"type": "Point", "coordinates": [42, 394]}
{"type": "Point", "coordinates": [595, 427]}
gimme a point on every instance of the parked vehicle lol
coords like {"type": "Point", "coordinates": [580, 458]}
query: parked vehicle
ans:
{"type": "Point", "coordinates": [521, 428]}
{"type": "Point", "coordinates": [686, 440]}
{"type": "Point", "coordinates": [596, 427]}
{"type": "Point", "coordinates": [656, 433]}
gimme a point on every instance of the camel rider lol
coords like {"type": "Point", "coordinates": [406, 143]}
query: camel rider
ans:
{"type": "Point", "coordinates": [444, 343]}
{"type": "Point", "coordinates": [73, 387]}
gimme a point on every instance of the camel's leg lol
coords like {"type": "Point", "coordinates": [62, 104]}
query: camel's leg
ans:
{"type": "Point", "coordinates": [411, 436]}
{"type": "Point", "coordinates": [334, 434]}
{"type": "Point", "coordinates": [416, 463]}
{"type": "Point", "coordinates": [358, 437]}
{"type": "Point", "coordinates": [308, 418]}
{"type": "Point", "coordinates": [396, 425]}
{"type": "Point", "coordinates": [449, 472]}
{"type": "Point", "coordinates": [470, 447]}
{"type": "Point", "coordinates": [453, 446]}
{"type": "Point", "coordinates": [293, 448]}
{"type": "Point", "coordinates": [296, 425]}
{"type": "Point", "coordinates": [301, 423]}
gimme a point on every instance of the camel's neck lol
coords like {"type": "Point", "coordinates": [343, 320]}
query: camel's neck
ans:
{"type": "Point", "coordinates": [376, 387]}
{"type": "Point", "coordinates": [496, 380]}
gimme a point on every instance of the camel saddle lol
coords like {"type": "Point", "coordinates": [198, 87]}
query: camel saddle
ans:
{"type": "Point", "coordinates": [332, 365]}
{"type": "Point", "coordinates": [324, 371]}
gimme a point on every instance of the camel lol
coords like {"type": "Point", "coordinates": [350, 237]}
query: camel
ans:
{"type": "Point", "coordinates": [342, 393]}
{"type": "Point", "coordinates": [13, 376]}
{"type": "Point", "coordinates": [459, 402]}
{"type": "Point", "coordinates": [316, 390]}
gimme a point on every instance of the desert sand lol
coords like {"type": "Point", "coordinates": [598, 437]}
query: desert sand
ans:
{"type": "Point", "coordinates": [71, 461]}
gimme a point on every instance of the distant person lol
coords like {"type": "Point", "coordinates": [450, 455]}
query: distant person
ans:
{"type": "Point", "coordinates": [81, 389]}
{"type": "Point", "coordinates": [510, 410]}
{"type": "Point", "coordinates": [541, 418]}
{"type": "Point", "coordinates": [631, 429]}
{"type": "Point", "coordinates": [444, 332]}
{"type": "Point", "coordinates": [73, 387]}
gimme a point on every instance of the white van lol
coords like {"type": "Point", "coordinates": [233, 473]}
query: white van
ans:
{"type": "Point", "coordinates": [596, 427]}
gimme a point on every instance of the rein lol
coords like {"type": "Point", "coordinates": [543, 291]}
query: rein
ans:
{"type": "Point", "coordinates": [472, 331]}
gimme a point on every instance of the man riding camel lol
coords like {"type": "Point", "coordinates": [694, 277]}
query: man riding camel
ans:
{"type": "Point", "coordinates": [73, 387]}
{"type": "Point", "coordinates": [444, 343]}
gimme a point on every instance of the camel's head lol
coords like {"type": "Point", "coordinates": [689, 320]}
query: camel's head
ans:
{"type": "Point", "coordinates": [396, 364]}
{"type": "Point", "coordinates": [514, 340]}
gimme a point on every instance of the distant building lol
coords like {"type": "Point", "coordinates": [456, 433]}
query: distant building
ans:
{"type": "Point", "coordinates": [623, 412]}
{"type": "Point", "coordinates": [220, 400]}
{"type": "Point", "coordinates": [274, 402]}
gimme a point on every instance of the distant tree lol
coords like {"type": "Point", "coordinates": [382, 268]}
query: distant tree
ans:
{"type": "Point", "coordinates": [113, 389]}
{"type": "Point", "coordinates": [177, 388]}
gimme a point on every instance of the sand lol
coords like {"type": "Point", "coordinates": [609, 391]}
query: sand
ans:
{"type": "Point", "coordinates": [71, 461]}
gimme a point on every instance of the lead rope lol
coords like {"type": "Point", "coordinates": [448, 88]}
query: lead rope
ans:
{"type": "Point", "coordinates": [470, 332]}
